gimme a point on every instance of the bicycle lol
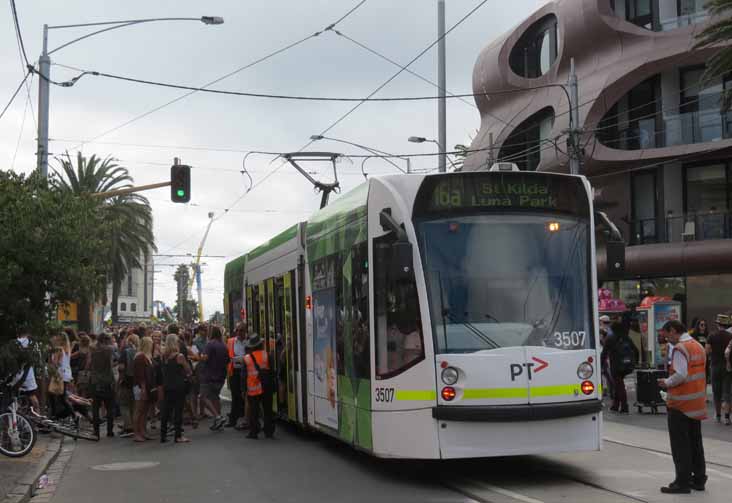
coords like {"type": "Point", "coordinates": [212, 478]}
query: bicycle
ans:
{"type": "Point", "coordinates": [17, 434]}
{"type": "Point", "coordinates": [77, 426]}
{"type": "Point", "coordinates": [20, 425]}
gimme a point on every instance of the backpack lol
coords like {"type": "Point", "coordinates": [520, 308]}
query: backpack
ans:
{"type": "Point", "coordinates": [626, 357]}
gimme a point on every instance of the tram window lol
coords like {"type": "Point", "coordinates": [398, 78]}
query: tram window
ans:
{"type": "Point", "coordinates": [254, 311]}
{"type": "Point", "coordinates": [399, 338]}
{"type": "Point", "coordinates": [339, 314]}
{"type": "Point", "coordinates": [360, 311]}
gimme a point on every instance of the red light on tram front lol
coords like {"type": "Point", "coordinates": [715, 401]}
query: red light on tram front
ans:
{"type": "Point", "coordinates": [587, 387]}
{"type": "Point", "coordinates": [448, 393]}
{"type": "Point", "coordinates": [308, 302]}
{"type": "Point", "coordinates": [590, 359]}
{"type": "Point", "coordinates": [443, 365]}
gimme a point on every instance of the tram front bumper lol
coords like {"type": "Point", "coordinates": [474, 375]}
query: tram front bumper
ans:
{"type": "Point", "coordinates": [506, 413]}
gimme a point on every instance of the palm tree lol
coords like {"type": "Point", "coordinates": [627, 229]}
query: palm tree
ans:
{"type": "Point", "coordinates": [718, 34]}
{"type": "Point", "coordinates": [127, 218]}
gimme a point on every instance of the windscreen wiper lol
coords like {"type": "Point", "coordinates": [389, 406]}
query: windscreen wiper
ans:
{"type": "Point", "coordinates": [472, 329]}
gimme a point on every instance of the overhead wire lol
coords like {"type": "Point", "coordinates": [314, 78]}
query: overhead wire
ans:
{"type": "Point", "coordinates": [225, 76]}
{"type": "Point", "coordinates": [12, 98]}
{"type": "Point", "coordinates": [22, 130]}
{"type": "Point", "coordinates": [291, 97]}
{"type": "Point", "coordinates": [18, 33]}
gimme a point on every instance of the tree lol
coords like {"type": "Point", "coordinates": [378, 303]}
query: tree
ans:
{"type": "Point", "coordinates": [189, 311]}
{"type": "Point", "coordinates": [217, 318]}
{"type": "Point", "coordinates": [719, 35]}
{"type": "Point", "coordinates": [182, 279]}
{"type": "Point", "coordinates": [127, 219]}
{"type": "Point", "coordinates": [51, 252]}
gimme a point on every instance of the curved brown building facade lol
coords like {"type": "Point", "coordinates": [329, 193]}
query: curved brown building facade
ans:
{"type": "Point", "coordinates": [656, 142]}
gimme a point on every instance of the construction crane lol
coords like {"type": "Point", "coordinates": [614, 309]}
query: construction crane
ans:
{"type": "Point", "coordinates": [196, 266]}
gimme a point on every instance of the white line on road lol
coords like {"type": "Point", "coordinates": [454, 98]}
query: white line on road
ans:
{"type": "Point", "coordinates": [511, 494]}
{"type": "Point", "coordinates": [472, 488]}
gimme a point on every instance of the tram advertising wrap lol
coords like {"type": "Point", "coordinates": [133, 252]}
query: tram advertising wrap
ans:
{"type": "Point", "coordinates": [324, 306]}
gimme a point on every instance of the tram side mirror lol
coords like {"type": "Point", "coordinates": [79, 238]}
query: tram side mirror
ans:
{"type": "Point", "coordinates": [614, 247]}
{"type": "Point", "coordinates": [401, 260]}
{"type": "Point", "coordinates": [400, 251]}
{"type": "Point", "coordinates": [615, 251]}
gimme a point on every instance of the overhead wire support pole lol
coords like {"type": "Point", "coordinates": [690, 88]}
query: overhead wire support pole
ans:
{"type": "Point", "coordinates": [574, 158]}
{"type": "Point", "coordinates": [442, 86]}
{"type": "Point", "coordinates": [325, 188]}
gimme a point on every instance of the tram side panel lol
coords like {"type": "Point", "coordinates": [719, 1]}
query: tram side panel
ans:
{"type": "Point", "coordinates": [403, 364]}
{"type": "Point", "coordinates": [338, 331]}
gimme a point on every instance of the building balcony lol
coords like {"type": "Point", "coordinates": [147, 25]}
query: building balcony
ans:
{"type": "Point", "coordinates": [682, 21]}
{"type": "Point", "coordinates": [675, 129]}
{"type": "Point", "coordinates": [699, 226]}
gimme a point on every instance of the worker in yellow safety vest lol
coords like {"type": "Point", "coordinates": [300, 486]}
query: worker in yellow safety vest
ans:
{"type": "Point", "coordinates": [260, 387]}
{"type": "Point", "coordinates": [686, 404]}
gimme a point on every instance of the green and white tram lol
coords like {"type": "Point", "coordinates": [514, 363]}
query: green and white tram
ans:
{"type": "Point", "coordinates": [437, 316]}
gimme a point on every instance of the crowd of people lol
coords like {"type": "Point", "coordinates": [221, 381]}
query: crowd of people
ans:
{"type": "Point", "coordinates": [143, 378]}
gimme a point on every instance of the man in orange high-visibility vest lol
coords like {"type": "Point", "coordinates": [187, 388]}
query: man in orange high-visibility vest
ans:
{"type": "Point", "coordinates": [260, 387]}
{"type": "Point", "coordinates": [237, 349]}
{"type": "Point", "coordinates": [687, 407]}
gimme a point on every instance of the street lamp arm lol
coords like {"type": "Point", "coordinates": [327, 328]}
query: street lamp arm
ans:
{"type": "Point", "coordinates": [122, 24]}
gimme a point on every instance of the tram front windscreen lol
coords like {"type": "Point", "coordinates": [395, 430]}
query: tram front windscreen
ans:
{"type": "Point", "coordinates": [507, 276]}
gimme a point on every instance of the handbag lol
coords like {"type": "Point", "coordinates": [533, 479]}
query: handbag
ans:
{"type": "Point", "coordinates": [83, 376]}
{"type": "Point", "coordinates": [56, 386]}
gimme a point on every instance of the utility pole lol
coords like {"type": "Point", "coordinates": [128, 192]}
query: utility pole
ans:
{"type": "Point", "coordinates": [491, 154]}
{"type": "Point", "coordinates": [442, 85]}
{"type": "Point", "coordinates": [574, 153]}
{"type": "Point", "coordinates": [44, 73]}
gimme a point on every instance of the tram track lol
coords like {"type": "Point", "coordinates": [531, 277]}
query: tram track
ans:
{"type": "Point", "coordinates": [660, 452]}
{"type": "Point", "coordinates": [560, 486]}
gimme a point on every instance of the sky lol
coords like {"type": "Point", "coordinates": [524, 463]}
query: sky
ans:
{"type": "Point", "coordinates": [211, 132]}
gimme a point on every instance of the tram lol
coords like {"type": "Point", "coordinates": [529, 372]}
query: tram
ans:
{"type": "Point", "coordinates": [436, 316]}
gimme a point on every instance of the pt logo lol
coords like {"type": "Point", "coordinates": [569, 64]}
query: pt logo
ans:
{"type": "Point", "coordinates": [518, 368]}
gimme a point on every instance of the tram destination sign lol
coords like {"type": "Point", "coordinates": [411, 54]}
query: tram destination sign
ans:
{"type": "Point", "coordinates": [501, 192]}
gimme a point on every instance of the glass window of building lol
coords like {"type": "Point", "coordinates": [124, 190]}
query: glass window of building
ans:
{"type": "Point", "coordinates": [123, 306]}
{"type": "Point", "coordinates": [644, 208]}
{"type": "Point", "coordinates": [133, 307]}
{"type": "Point", "coordinates": [707, 196]}
{"type": "Point", "coordinates": [706, 188]}
{"type": "Point", "coordinates": [524, 146]}
{"type": "Point", "coordinates": [536, 50]}
{"type": "Point", "coordinates": [643, 13]}
{"type": "Point", "coordinates": [634, 121]}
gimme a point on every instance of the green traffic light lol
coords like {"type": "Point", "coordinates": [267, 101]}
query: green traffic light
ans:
{"type": "Point", "coordinates": [181, 193]}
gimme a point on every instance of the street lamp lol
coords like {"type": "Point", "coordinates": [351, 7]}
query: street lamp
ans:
{"type": "Point", "coordinates": [44, 71]}
{"type": "Point", "coordinates": [440, 151]}
{"type": "Point", "coordinates": [377, 152]}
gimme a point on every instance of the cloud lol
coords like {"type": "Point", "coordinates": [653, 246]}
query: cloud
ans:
{"type": "Point", "coordinates": [190, 53]}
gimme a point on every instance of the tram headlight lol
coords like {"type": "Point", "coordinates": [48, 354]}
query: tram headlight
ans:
{"type": "Point", "coordinates": [585, 370]}
{"type": "Point", "coordinates": [449, 376]}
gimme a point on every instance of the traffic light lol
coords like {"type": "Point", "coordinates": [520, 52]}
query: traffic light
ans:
{"type": "Point", "coordinates": [180, 183]}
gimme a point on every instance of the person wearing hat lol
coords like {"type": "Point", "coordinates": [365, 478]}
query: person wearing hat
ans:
{"type": "Point", "coordinates": [721, 377]}
{"type": "Point", "coordinates": [260, 386]}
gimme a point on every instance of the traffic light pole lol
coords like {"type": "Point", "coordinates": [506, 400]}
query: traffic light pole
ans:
{"type": "Point", "coordinates": [129, 190]}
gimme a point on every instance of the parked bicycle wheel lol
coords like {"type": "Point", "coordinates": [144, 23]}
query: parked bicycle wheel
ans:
{"type": "Point", "coordinates": [18, 437]}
